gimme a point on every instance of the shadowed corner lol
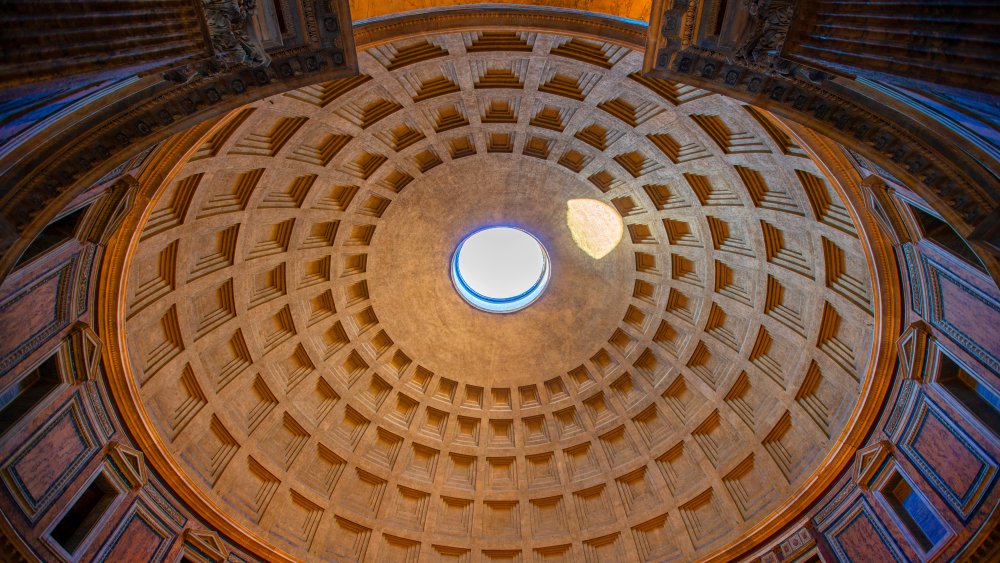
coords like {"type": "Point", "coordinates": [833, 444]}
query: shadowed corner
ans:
{"type": "Point", "coordinates": [595, 226]}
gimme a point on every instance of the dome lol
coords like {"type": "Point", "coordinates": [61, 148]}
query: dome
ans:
{"type": "Point", "coordinates": [301, 352]}
{"type": "Point", "coordinates": [483, 283]}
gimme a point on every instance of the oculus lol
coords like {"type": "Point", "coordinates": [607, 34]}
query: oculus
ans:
{"type": "Point", "coordinates": [500, 269]}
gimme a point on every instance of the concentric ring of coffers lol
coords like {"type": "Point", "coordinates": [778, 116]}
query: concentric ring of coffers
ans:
{"type": "Point", "coordinates": [264, 361]}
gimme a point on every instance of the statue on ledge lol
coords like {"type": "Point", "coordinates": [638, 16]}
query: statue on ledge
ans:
{"type": "Point", "coordinates": [233, 38]}
{"type": "Point", "coordinates": [770, 21]}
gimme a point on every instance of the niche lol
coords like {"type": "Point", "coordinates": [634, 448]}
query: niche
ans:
{"type": "Point", "coordinates": [936, 230]}
{"type": "Point", "coordinates": [21, 397]}
{"type": "Point", "coordinates": [975, 396]}
{"type": "Point", "coordinates": [54, 234]}
{"type": "Point", "coordinates": [914, 512]}
{"type": "Point", "coordinates": [77, 522]}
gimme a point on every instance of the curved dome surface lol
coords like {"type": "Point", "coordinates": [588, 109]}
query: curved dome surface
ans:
{"type": "Point", "coordinates": [302, 356]}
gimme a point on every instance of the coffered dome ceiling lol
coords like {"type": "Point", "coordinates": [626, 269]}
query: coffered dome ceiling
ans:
{"type": "Point", "coordinates": [303, 360]}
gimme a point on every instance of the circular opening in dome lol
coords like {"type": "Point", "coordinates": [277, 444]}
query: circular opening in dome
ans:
{"type": "Point", "coordinates": [500, 269]}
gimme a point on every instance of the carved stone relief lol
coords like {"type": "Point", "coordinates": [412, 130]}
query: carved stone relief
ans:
{"type": "Point", "coordinates": [233, 37]}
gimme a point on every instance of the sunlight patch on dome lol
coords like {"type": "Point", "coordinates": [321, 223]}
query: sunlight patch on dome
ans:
{"type": "Point", "coordinates": [595, 226]}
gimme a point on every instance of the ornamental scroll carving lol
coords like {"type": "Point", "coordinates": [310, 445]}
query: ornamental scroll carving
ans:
{"type": "Point", "coordinates": [234, 39]}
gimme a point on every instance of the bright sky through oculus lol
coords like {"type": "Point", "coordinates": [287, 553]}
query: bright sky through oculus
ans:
{"type": "Point", "coordinates": [500, 269]}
